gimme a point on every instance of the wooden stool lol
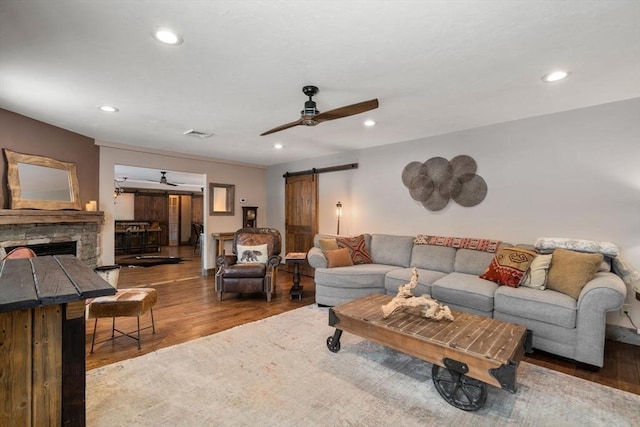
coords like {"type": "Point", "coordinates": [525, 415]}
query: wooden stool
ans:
{"type": "Point", "coordinates": [132, 302]}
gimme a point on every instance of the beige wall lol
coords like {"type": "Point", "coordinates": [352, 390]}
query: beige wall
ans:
{"type": "Point", "coordinates": [28, 136]}
{"type": "Point", "coordinates": [570, 174]}
{"type": "Point", "coordinates": [96, 161]}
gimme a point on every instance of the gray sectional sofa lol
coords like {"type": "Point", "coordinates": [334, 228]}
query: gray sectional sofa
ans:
{"type": "Point", "coordinates": [561, 325]}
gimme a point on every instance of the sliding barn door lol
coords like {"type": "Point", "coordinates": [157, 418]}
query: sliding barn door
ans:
{"type": "Point", "coordinates": [301, 215]}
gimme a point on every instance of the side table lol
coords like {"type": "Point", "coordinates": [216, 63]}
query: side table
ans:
{"type": "Point", "coordinates": [295, 258]}
{"type": "Point", "coordinates": [220, 238]}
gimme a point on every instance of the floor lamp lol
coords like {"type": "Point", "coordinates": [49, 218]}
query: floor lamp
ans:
{"type": "Point", "coordinates": [338, 214]}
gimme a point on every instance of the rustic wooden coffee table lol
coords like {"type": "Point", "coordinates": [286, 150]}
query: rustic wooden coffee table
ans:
{"type": "Point", "coordinates": [467, 353]}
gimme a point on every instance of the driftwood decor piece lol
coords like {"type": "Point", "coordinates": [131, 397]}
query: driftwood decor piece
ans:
{"type": "Point", "coordinates": [38, 182]}
{"type": "Point", "coordinates": [436, 181]}
{"type": "Point", "coordinates": [432, 308]}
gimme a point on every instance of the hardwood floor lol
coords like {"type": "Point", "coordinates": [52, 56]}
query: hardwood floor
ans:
{"type": "Point", "coordinates": [188, 309]}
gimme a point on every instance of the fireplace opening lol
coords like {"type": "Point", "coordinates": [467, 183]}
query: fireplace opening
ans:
{"type": "Point", "coordinates": [54, 248]}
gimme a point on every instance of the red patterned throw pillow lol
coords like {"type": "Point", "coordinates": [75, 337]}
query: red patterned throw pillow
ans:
{"type": "Point", "coordinates": [357, 248]}
{"type": "Point", "coordinates": [509, 266]}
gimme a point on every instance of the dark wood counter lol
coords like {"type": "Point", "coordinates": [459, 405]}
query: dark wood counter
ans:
{"type": "Point", "coordinates": [42, 339]}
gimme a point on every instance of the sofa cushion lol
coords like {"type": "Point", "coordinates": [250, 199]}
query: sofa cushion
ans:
{"type": "Point", "coordinates": [338, 258]}
{"type": "Point", "coordinates": [359, 248]}
{"type": "Point", "coordinates": [401, 276]}
{"type": "Point", "coordinates": [470, 261]}
{"type": "Point", "coordinates": [466, 290]}
{"type": "Point", "coordinates": [509, 266]}
{"type": "Point", "coordinates": [244, 270]}
{"type": "Point", "coordinates": [571, 270]}
{"type": "Point", "coordinates": [546, 306]}
{"type": "Point", "coordinates": [391, 250]}
{"type": "Point", "coordinates": [436, 258]}
{"type": "Point", "coordinates": [355, 276]}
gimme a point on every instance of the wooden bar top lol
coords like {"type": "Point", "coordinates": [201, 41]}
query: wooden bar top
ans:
{"type": "Point", "coordinates": [48, 280]}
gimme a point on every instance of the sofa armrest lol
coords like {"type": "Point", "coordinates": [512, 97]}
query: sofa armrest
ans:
{"type": "Point", "coordinates": [604, 283]}
{"type": "Point", "coordinates": [604, 293]}
{"type": "Point", "coordinates": [316, 258]}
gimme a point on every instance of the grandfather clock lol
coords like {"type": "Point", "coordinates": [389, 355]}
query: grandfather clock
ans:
{"type": "Point", "coordinates": [249, 216]}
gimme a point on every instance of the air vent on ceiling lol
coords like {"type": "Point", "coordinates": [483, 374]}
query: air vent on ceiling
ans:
{"type": "Point", "coordinates": [198, 134]}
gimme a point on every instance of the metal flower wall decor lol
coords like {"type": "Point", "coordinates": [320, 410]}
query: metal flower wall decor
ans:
{"type": "Point", "coordinates": [436, 181]}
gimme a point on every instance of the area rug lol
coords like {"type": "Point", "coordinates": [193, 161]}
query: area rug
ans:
{"type": "Point", "coordinates": [149, 261]}
{"type": "Point", "coordinates": [279, 372]}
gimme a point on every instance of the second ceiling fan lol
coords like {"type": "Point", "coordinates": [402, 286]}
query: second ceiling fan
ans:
{"type": "Point", "coordinates": [310, 116]}
{"type": "Point", "coordinates": [163, 180]}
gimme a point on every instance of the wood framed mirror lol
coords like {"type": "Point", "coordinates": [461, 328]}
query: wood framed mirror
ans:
{"type": "Point", "coordinates": [221, 199]}
{"type": "Point", "coordinates": [38, 182]}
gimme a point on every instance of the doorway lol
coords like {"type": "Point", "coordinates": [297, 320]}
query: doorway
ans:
{"type": "Point", "coordinates": [147, 201]}
{"type": "Point", "coordinates": [174, 220]}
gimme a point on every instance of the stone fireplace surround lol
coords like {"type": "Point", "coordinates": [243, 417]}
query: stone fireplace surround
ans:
{"type": "Point", "coordinates": [31, 227]}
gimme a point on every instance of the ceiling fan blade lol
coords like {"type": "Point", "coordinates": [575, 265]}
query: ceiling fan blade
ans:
{"type": "Point", "coordinates": [283, 127]}
{"type": "Point", "coordinates": [349, 110]}
{"type": "Point", "coordinates": [171, 184]}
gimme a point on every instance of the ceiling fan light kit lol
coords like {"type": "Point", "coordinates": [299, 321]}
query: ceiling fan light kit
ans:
{"type": "Point", "coordinates": [310, 116]}
{"type": "Point", "coordinates": [163, 179]}
{"type": "Point", "coordinates": [310, 109]}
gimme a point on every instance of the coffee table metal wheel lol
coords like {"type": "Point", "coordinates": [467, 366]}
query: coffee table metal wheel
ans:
{"type": "Point", "coordinates": [459, 390]}
{"type": "Point", "coordinates": [333, 344]}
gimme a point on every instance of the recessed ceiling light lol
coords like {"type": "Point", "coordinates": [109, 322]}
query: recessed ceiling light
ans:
{"type": "Point", "coordinates": [369, 123]}
{"type": "Point", "coordinates": [167, 36]}
{"type": "Point", "coordinates": [555, 76]}
{"type": "Point", "coordinates": [108, 109]}
{"type": "Point", "coordinates": [278, 146]}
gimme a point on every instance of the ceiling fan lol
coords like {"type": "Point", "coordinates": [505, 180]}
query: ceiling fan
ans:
{"type": "Point", "coordinates": [163, 179]}
{"type": "Point", "coordinates": [310, 116]}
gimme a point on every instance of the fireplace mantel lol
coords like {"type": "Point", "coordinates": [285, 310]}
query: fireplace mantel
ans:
{"type": "Point", "coordinates": [21, 227]}
{"type": "Point", "coordinates": [23, 216]}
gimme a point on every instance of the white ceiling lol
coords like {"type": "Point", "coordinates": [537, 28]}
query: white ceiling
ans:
{"type": "Point", "coordinates": [435, 66]}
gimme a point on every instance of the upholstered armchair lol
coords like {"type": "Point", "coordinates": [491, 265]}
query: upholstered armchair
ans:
{"type": "Point", "coordinates": [252, 266]}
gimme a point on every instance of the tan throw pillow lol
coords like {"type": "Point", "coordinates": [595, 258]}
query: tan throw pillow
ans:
{"type": "Point", "coordinates": [571, 270]}
{"type": "Point", "coordinates": [537, 273]}
{"type": "Point", "coordinates": [328, 244]}
{"type": "Point", "coordinates": [338, 258]}
{"type": "Point", "coordinates": [508, 266]}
